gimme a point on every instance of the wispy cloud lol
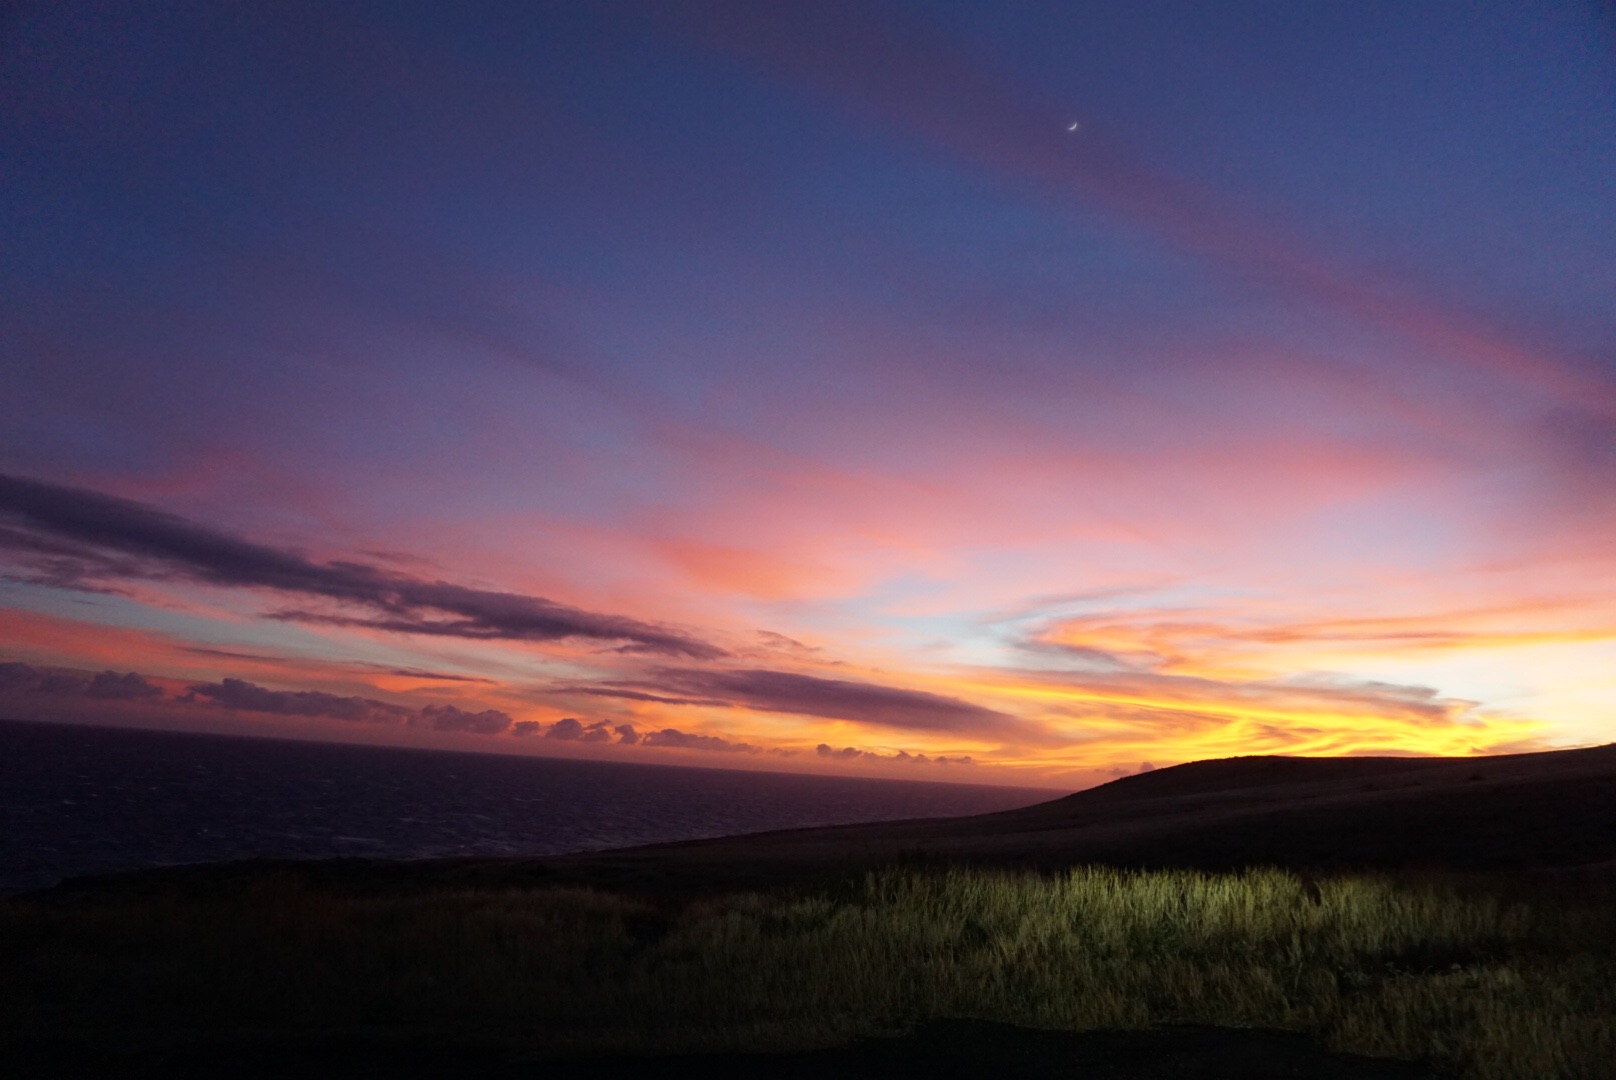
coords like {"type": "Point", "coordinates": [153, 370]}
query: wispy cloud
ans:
{"type": "Point", "coordinates": [836, 699]}
{"type": "Point", "coordinates": [74, 538]}
{"type": "Point", "coordinates": [886, 65]}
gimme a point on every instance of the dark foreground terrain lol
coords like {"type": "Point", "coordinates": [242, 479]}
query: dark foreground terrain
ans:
{"type": "Point", "coordinates": [939, 1048]}
{"type": "Point", "coordinates": [1524, 814]}
{"type": "Point", "coordinates": [1250, 917]}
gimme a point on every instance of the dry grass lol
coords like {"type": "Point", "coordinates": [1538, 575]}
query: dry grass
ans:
{"type": "Point", "coordinates": [1481, 987]}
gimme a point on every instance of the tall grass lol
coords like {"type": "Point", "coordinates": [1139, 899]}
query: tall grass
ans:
{"type": "Point", "coordinates": [1481, 987]}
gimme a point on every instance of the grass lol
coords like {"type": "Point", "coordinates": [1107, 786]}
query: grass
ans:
{"type": "Point", "coordinates": [1480, 986]}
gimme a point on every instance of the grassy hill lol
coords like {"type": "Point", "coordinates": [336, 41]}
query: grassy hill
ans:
{"type": "Point", "coordinates": [1455, 913]}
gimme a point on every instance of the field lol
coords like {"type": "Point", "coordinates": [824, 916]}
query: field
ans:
{"type": "Point", "coordinates": [1479, 983]}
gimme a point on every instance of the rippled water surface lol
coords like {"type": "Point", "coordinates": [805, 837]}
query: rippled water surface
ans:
{"type": "Point", "coordinates": [79, 800]}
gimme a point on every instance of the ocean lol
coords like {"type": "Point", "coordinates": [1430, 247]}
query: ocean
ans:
{"type": "Point", "coordinates": [85, 800]}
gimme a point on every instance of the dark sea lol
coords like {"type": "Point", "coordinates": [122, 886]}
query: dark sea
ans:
{"type": "Point", "coordinates": [86, 800]}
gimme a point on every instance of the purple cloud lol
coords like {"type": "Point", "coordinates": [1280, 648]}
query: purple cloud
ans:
{"type": "Point", "coordinates": [450, 718]}
{"type": "Point", "coordinates": [104, 686]}
{"type": "Point", "coordinates": [686, 741]}
{"type": "Point", "coordinates": [110, 686]}
{"type": "Point", "coordinates": [240, 694]}
{"type": "Point", "coordinates": [837, 699]}
{"type": "Point", "coordinates": [73, 538]}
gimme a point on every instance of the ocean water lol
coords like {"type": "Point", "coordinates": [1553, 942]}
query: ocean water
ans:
{"type": "Point", "coordinates": [83, 800]}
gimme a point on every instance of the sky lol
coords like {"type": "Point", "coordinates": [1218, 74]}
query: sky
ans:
{"type": "Point", "coordinates": [1005, 392]}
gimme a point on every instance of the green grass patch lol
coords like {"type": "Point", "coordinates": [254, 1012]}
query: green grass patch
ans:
{"type": "Point", "coordinates": [1480, 986]}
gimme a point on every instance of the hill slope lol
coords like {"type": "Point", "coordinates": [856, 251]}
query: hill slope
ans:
{"type": "Point", "coordinates": [1545, 811]}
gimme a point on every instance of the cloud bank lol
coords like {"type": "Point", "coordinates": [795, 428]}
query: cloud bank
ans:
{"type": "Point", "coordinates": [853, 753]}
{"type": "Point", "coordinates": [240, 694]}
{"type": "Point", "coordinates": [104, 686]}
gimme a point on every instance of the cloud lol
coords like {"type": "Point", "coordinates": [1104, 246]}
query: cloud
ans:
{"type": "Point", "coordinates": [104, 686]}
{"type": "Point", "coordinates": [837, 699]}
{"type": "Point", "coordinates": [240, 694]}
{"type": "Point", "coordinates": [74, 538]}
{"type": "Point", "coordinates": [450, 718]}
{"type": "Point", "coordinates": [684, 741]}
{"type": "Point", "coordinates": [15, 676]}
{"type": "Point", "coordinates": [620, 690]}
{"type": "Point", "coordinates": [110, 686]}
{"type": "Point", "coordinates": [567, 729]}
{"type": "Point", "coordinates": [849, 753]}
{"type": "Point", "coordinates": [626, 734]}
{"type": "Point", "coordinates": [526, 727]}
{"type": "Point", "coordinates": [912, 78]}
{"type": "Point", "coordinates": [571, 729]}
{"type": "Point", "coordinates": [437, 676]}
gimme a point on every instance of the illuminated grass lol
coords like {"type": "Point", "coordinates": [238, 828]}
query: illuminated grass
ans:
{"type": "Point", "coordinates": [1482, 988]}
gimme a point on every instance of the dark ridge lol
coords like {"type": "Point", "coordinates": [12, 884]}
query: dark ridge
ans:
{"type": "Point", "coordinates": [1251, 772]}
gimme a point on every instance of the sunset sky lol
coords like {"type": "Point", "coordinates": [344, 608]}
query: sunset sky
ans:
{"type": "Point", "coordinates": [793, 386]}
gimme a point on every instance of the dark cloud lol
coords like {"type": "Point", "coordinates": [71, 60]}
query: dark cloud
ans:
{"type": "Point", "coordinates": [626, 734]}
{"type": "Point", "coordinates": [43, 560]}
{"type": "Point", "coordinates": [17, 676]}
{"type": "Point", "coordinates": [62, 682]}
{"type": "Point", "coordinates": [809, 695]}
{"type": "Point", "coordinates": [620, 690]}
{"type": "Point", "coordinates": [568, 729]}
{"type": "Point", "coordinates": [407, 673]}
{"type": "Point", "coordinates": [685, 741]}
{"type": "Point", "coordinates": [104, 686]}
{"type": "Point", "coordinates": [449, 718]}
{"type": "Point", "coordinates": [111, 686]}
{"type": "Point", "coordinates": [83, 539]}
{"type": "Point", "coordinates": [438, 676]}
{"type": "Point", "coordinates": [526, 727]}
{"type": "Point", "coordinates": [240, 694]}
{"type": "Point", "coordinates": [230, 654]}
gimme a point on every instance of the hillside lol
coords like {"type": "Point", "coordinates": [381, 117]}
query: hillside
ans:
{"type": "Point", "coordinates": [1553, 811]}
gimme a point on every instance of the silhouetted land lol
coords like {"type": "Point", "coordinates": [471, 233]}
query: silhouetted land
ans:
{"type": "Point", "coordinates": [1454, 912]}
{"type": "Point", "coordinates": [1510, 817]}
